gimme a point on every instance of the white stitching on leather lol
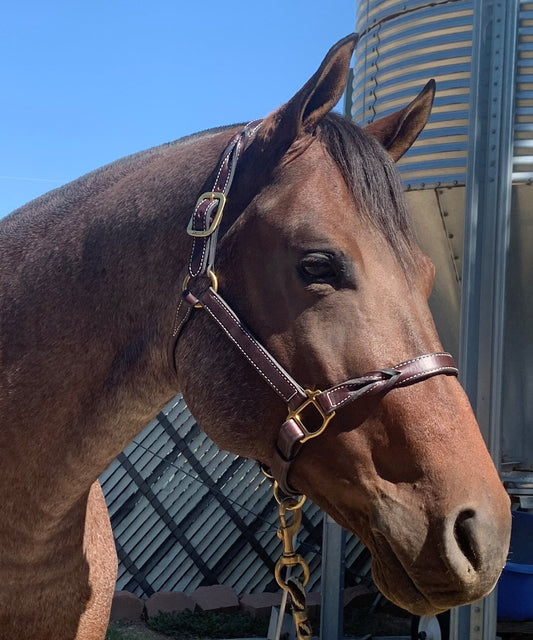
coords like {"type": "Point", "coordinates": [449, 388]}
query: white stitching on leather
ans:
{"type": "Point", "coordinates": [422, 374]}
{"type": "Point", "coordinates": [220, 302]}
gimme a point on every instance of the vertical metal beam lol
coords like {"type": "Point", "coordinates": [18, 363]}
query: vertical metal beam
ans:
{"type": "Point", "coordinates": [333, 558]}
{"type": "Point", "coordinates": [487, 211]}
{"type": "Point", "coordinates": [487, 215]}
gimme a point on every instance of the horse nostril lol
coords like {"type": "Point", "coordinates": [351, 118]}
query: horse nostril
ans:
{"type": "Point", "coordinates": [465, 536]}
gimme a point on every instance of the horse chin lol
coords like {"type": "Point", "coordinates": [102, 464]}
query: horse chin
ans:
{"type": "Point", "coordinates": [395, 582]}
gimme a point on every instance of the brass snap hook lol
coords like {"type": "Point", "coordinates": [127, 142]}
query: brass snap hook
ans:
{"type": "Point", "coordinates": [286, 533]}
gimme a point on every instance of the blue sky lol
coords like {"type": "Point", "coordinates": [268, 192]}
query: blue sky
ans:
{"type": "Point", "coordinates": [85, 83]}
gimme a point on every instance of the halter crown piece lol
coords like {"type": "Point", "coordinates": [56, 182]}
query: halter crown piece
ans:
{"type": "Point", "coordinates": [296, 430]}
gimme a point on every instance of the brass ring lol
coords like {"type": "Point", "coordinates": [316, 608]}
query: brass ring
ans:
{"type": "Point", "coordinates": [292, 562]}
{"type": "Point", "coordinates": [214, 284]}
{"type": "Point", "coordinates": [294, 503]}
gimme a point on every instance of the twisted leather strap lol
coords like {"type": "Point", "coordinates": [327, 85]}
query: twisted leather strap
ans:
{"type": "Point", "coordinates": [291, 436]}
{"type": "Point", "coordinates": [299, 609]}
{"type": "Point", "coordinates": [381, 381]}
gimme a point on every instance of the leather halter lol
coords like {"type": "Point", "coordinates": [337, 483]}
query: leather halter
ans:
{"type": "Point", "coordinates": [203, 227]}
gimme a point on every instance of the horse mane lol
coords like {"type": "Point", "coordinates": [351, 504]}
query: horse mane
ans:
{"type": "Point", "coordinates": [373, 179]}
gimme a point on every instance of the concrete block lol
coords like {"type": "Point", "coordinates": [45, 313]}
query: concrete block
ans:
{"type": "Point", "coordinates": [359, 596]}
{"type": "Point", "coordinates": [216, 598]}
{"type": "Point", "coordinates": [168, 602]}
{"type": "Point", "coordinates": [126, 606]}
{"type": "Point", "coordinates": [260, 604]}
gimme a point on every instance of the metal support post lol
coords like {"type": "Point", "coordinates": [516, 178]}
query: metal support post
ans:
{"type": "Point", "coordinates": [487, 214]}
{"type": "Point", "coordinates": [333, 557]}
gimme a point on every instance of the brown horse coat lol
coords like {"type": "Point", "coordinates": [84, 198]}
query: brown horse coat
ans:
{"type": "Point", "coordinates": [90, 276]}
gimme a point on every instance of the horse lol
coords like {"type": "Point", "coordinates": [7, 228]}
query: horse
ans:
{"type": "Point", "coordinates": [113, 299]}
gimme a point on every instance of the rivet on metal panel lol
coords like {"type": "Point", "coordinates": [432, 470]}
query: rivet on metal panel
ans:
{"type": "Point", "coordinates": [476, 622]}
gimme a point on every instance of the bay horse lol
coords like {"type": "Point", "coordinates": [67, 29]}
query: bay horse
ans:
{"type": "Point", "coordinates": [316, 253]}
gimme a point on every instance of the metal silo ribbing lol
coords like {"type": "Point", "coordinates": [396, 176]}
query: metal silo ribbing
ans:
{"type": "Point", "coordinates": [403, 45]}
{"type": "Point", "coordinates": [523, 126]}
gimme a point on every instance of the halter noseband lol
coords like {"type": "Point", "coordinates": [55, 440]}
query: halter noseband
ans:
{"type": "Point", "coordinates": [203, 227]}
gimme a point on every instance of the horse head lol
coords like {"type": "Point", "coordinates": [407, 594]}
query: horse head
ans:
{"type": "Point", "coordinates": [319, 258]}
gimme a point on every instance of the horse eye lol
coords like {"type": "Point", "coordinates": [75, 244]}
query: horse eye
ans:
{"type": "Point", "coordinates": [317, 267]}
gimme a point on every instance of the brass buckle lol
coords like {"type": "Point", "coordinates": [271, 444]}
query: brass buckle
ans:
{"type": "Point", "coordinates": [204, 233]}
{"type": "Point", "coordinates": [296, 415]}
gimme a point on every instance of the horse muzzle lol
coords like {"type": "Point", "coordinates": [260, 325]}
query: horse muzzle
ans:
{"type": "Point", "coordinates": [454, 561]}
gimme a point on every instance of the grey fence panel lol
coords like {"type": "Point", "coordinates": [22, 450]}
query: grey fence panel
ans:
{"type": "Point", "coordinates": [186, 514]}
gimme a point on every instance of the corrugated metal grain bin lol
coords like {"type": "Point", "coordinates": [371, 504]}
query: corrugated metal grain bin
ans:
{"type": "Point", "coordinates": [403, 44]}
{"type": "Point", "coordinates": [469, 184]}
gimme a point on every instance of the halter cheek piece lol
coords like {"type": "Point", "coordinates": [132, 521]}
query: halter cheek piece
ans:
{"type": "Point", "coordinates": [203, 227]}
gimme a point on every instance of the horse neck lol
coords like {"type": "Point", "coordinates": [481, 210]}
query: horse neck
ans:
{"type": "Point", "coordinates": [94, 305]}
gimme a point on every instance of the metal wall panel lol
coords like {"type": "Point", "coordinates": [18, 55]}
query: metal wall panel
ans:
{"type": "Point", "coordinates": [438, 216]}
{"type": "Point", "coordinates": [517, 445]}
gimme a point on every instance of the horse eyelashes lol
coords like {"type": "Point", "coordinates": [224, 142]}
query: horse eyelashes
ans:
{"type": "Point", "coordinates": [318, 267]}
{"type": "Point", "coordinates": [323, 267]}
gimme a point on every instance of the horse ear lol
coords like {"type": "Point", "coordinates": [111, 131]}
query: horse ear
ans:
{"type": "Point", "coordinates": [297, 119]}
{"type": "Point", "coordinates": [315, 99]}
{"type": "Point", "coordinates": [325, 88]}
{"type": "Point", "coordinates": [399, 130]}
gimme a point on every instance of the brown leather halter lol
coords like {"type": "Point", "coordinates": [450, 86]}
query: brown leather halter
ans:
{"type": "Point", "coordinates": [203, 227]}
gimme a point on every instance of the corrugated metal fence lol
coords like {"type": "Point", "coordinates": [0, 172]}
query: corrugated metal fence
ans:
{"type": "Point", "coordinates": [185, 514]}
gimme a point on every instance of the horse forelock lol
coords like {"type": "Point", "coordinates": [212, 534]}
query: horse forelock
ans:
{"type": "Point", "coordinates": [373, 180]}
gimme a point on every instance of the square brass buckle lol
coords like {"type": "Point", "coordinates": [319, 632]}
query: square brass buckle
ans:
{"type": "Point", "coordinates": [296, 415]}
{"type": "Point", "coordinates": [204, 233]}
